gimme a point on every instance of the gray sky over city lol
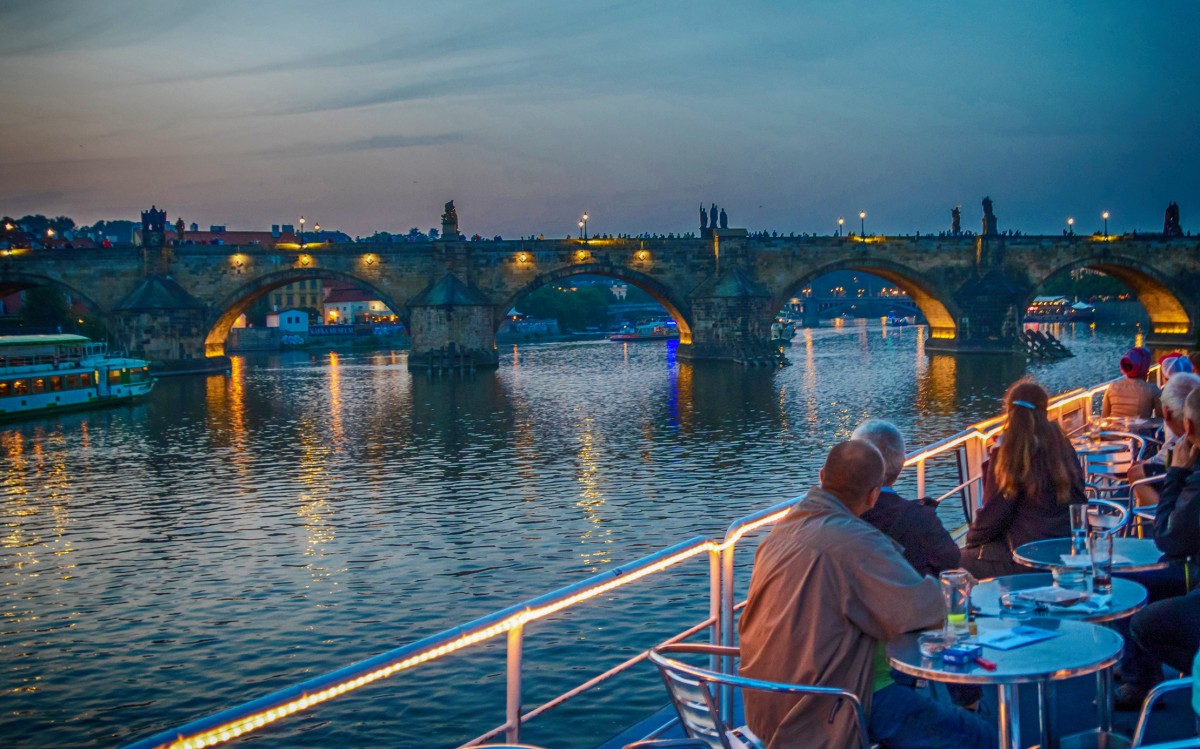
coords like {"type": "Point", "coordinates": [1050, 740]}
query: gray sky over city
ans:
{"type": "Point", "coordinates": [370, 114]}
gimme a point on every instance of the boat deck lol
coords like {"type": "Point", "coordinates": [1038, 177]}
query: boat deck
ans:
{"type": "Point", "coordinates": [1172, 721]}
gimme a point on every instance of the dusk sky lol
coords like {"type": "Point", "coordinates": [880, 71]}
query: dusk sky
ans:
{"type": "Point", "coordinates": [368, 115]}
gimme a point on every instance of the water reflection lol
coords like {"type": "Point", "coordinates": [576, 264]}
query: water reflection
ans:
{"type": "Point", "coordinates": [240, 533]}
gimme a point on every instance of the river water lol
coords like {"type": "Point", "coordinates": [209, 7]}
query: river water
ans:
{"type": "Point", "coordinates": [233, 535]}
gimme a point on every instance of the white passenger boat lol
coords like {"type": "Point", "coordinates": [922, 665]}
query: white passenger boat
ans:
{"type": "Point", "coordinates": [42, 374]}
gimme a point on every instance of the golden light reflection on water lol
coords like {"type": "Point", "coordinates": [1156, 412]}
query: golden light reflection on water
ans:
{"type": "Point", "coordinates": [812, 416]}
{"type": "Point", "coordinates": [335, 398]}
{"type": "Point", "coordinates": [591, 499]}
{"type": "Point", "coordinates": [44, 459]}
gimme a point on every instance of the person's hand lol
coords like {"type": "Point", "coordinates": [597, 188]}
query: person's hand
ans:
{"type": "Point", "coordinates": [1184, 454]}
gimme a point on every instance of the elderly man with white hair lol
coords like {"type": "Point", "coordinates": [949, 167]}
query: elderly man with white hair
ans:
{"type": "Point", "coordinates": [1174, 394]}
{"type": "Point", "coordinates": [913, 524]}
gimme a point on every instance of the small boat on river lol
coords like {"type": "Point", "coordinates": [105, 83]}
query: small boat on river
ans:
{"type": "Point", "coordinates": [659, 330]}
{"type": "Point", "coordinates": [42, 374]}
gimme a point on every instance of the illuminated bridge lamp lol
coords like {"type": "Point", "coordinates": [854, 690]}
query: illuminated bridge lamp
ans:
{"type": "Point", "coordinates": [1105, 217]}
{"type": "Point", "coordinates": [841, 223]}
{"type": "Point", "coordinates": [862, 223]}
{"type": "Point", "coordinates": [305, 259]}
{"type": "Point", "coordinates": [523, 257]}
{"type": "Point", "coordinates": [369, 259]}
{"type": "Point", "coordinates": [582, 254]}
{"type": "Point", "coordinates": [643, 255]}
{"type": "Point", "coordinates": [49, 232]}
{"type": "Point", "coordinates": [237, 261]}
{"type": "Point", "coordinates": [1070, 225]}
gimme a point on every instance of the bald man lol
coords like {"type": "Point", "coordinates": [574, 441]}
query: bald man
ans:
{"type": "Point", "coordinates": [828, 590]}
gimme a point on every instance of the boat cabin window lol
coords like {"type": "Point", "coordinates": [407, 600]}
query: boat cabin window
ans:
{"type": "Point", "coordinates": [85, 380]}
{"type": "Point", "coordinates": [72, 382]}
{"type": "Point", "coordinates": [39, 385]}
{"type": "Point", "coordinates": [20, 387]}
{"type": "Point", "coordinates": [118, 376]}
{"type": "Point", "coordinates": [55, 384]}
{"type": "Point", "coordinates": [5, 389]}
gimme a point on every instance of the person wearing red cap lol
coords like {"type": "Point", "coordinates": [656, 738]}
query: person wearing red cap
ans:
{"type": "Point", "coordinates": [1132, 395]}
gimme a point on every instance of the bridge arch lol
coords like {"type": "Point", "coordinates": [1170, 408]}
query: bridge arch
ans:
{"type": "Point", "coordinates": [941, 312]}
{"type": "Point", "coordinates": [232, 306]}
{"type": "Point", "coordinates": [1166, 306]}
{"type": "Point", "coordinates": [657, 291]}
{"type": "Point", "coordinates": [11, 282]}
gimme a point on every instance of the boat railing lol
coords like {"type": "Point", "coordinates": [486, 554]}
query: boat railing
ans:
{"type": "Point", "coordinates": [964, 452]}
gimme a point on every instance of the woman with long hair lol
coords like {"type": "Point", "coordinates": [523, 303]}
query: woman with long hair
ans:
{"type": "Point", "coordinates": [1031, 479]}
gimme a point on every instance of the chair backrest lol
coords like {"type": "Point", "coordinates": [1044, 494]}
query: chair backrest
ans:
{"type": "Point", "coordinates": [1118, 462]}
{"type": "Point", "coordinates": [1106, 516]}
{"type": "Point", "coordinates": [693, 691]}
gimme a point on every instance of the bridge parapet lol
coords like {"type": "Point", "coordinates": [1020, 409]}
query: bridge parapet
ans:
{"type": "Point", "coordinates": [972, 290]}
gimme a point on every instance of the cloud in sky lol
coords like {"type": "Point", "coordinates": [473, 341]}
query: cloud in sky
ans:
{"type": "Point", "coordinates": [372, 113]}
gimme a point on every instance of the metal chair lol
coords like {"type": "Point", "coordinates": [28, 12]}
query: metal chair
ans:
{"type": "Point", "coordinates": [693, 691]}
{"type": "Point", "coordinates": [1107, 516]}
{"type": "Point", "coordinates": [1157, 693]}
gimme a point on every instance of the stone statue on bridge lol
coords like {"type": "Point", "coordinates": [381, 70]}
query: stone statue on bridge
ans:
{"type": "Point", "coordinates": [989, 219]}
{"type": "Point", "coordinates": [955, 223]}
{"type": "Point", "coordinates": [179, 229]}
{"type": "Point", "coordinates": [724, 220]}
{"type": "Point", "coordinates": [703, 219]}
{"type": "Point", "coordinates": [1171, 227]}
{"type": "Point", "coordinates": [450, 223]}
{"type": "Point", "coordinates": [712, 216]}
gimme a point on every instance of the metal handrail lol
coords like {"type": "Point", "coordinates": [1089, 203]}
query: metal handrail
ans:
{"type": "Point", "coordinates": [249, 716]}
{"type": "Point", "coordinates": [241, 719]}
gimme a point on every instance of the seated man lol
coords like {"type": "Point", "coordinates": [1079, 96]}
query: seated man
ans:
{"type": "Point", "coordinates": [1168, 630]}
{"type": "Point", "coordinates": [1174, 394]}
{"type": "Point", "coordinates": [827, 592]}
{"type": "Point", "coordinates": [913, 524]}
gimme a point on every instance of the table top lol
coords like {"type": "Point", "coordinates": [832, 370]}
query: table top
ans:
{"type": "Point", "coordinates": [1128, 423]}
{"type": "Point", "coordinates": [1080, 648]}
{"type": "Point", "coordinates": [1141, 552]}
{"type": "Point", "coordinates": [1127, 598]}
{"type": "Point", "coordinates": [1087, 446]}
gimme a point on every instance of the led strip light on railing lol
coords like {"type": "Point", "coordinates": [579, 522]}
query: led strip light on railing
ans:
{"type": "Point", "coordinates": [241, 726]}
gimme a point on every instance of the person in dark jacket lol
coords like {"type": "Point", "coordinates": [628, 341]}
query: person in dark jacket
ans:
{"type": "Point", "coordinates": [1168, 630]}
{"type": "Point", "coordinates": [913, 524]}
{"type": "Point", "coordinates": [1031, 479]}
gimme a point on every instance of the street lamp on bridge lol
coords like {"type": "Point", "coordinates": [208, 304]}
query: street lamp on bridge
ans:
{"type": "Point", "coordinates": [862, 224]}
{"type": "Point", "coordinates": [583, 226]}
{"type": "Point", "coordinates": [841, 223]}
{"type": "Point", "coordinates": [302, 232]}
{"type": "Point", "coordinates": [1071, 226]}
{"type": "Point", "coordinates": [1105, 217]}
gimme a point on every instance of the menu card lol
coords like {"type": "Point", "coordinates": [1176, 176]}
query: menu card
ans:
{"type": "Point", "coordinates": [1014, 637]}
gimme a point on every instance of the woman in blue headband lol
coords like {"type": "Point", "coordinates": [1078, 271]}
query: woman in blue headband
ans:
{"type": "Point", "coordinates": [1031, 478]}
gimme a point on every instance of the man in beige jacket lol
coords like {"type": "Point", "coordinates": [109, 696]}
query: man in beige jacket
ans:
{"type": "Point", "coordinates": [828, 591]}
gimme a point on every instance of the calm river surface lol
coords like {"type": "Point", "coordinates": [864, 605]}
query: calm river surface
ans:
{"type": "Point", "coordinates": [233, 535]}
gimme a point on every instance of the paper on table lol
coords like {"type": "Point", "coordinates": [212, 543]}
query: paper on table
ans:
{"type": "Point", "coordinates": [1085, 560]}
{"type": "Point", "coordinates": [1015, 637]}
{"type": "Point", "coordinates": [1053, 594]}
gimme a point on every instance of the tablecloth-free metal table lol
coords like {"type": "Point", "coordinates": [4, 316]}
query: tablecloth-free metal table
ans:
{"type": "Point", "coordinates": [1142, 554]}
{"type": "Point", "coordinates": [1079, 649]}
{"type": "Point", "coordinates": [1128, 597]}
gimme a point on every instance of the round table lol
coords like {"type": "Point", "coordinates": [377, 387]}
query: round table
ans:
{"type": "Point", "coordinates": [1079, 649]}
{"type": "Point", "coordinates": [1142, 554]}
{"type": "Point", "coordinates": [1128, 597]}
{"type": "Point", "coordinates": [1085, 447]}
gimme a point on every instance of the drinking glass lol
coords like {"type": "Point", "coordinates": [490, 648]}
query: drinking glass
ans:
{"type": "Point", "coordinates": [956, 590]}
{"type": "Point", "coordinates": [1100, 545]}
{"type": "Point", "coordinates": [1079, 527]}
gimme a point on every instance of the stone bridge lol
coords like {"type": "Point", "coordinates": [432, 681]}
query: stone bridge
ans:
{"type": "Point", "coordinates": [174, 304]}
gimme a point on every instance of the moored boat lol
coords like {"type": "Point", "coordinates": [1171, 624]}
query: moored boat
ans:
{"type": "Point", "coordinates": [42, 374]}
{"type": "Point", "coordinates": [659, 330]}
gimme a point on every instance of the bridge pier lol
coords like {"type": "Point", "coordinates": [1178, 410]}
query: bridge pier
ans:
{"type": "Point", "coordinates": [731, 321]}
{"type": "Point", "coordinates": [453, 327]}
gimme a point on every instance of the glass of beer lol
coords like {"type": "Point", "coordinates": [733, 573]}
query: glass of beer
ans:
{"type": "Point", "coordinates": [1100, 546]}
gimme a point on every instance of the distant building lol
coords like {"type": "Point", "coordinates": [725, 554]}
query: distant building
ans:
{"type": "Point", "coordinates": [291, 321]}
{"type": "Point", "coordinates": [349, 304]}
{"type": "Point", "coordinates": [308, 294]}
